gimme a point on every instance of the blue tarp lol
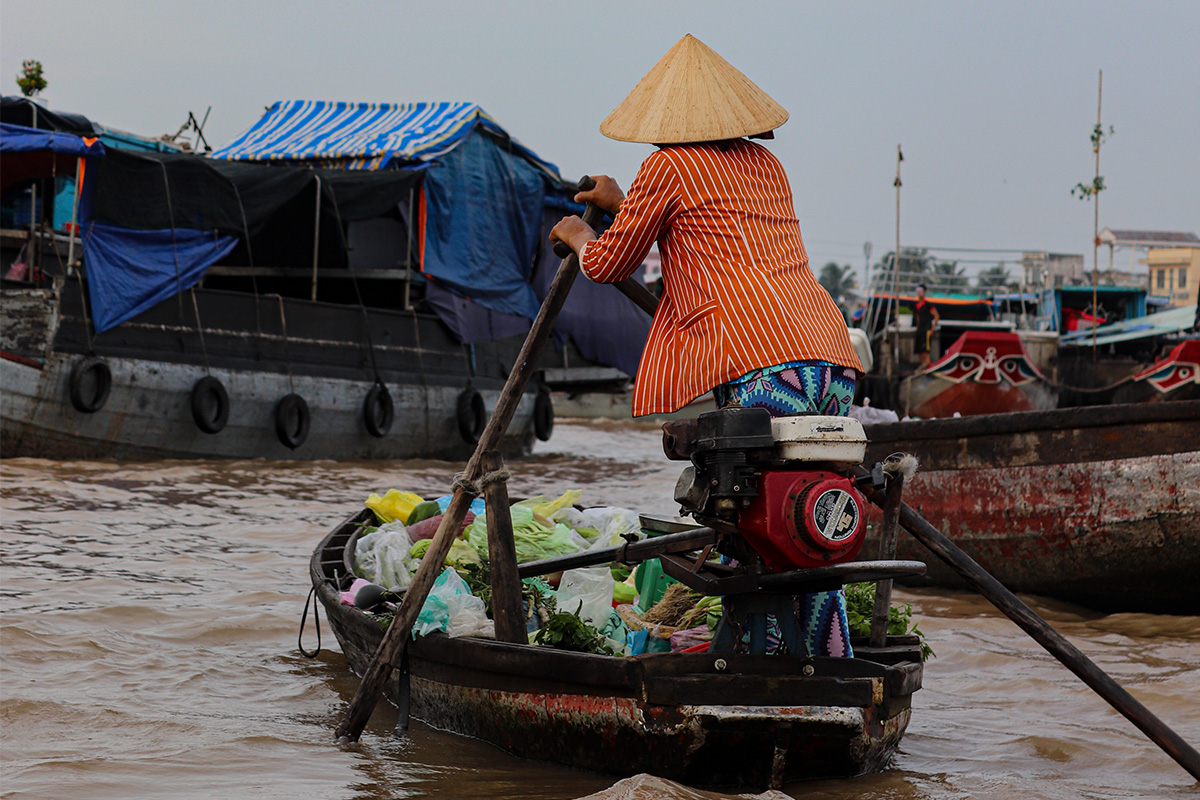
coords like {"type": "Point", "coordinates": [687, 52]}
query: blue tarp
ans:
{"type": "Point", "coordinates": [129, 271]}
{"type": "Point", "coordinates": [483, 215]}
{"type": "Point", "coordinates": [365, 135]}
{"type": "Point", "coordinates": [19, 139]}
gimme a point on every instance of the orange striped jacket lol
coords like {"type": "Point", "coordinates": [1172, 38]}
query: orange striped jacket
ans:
{"type": "Point", "coordinates": [738, 293]}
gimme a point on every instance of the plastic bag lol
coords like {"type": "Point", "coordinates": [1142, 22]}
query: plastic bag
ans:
{"type": "Point", "coordinates": [395, 505]}
{"type": "Point", "coordinates": [452, 608]}
{"type": "Point", "coordinates": [380, 556]}
{"type": "Point", "coordinates": [869, 415]}
{"type": "Point", "coordinates": [602, 527]}
{"type": "Point", "coordinates": [588, 590]}
{"type": "Point", "coordinates": [546, 509]}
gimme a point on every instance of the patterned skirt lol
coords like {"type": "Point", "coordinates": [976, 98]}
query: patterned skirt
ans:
{"type": "Point", "coordinates": [800, 387]}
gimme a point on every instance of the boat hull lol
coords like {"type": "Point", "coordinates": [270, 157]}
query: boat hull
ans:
{"type": "Point", "coordinates": [260, 349]}
{"type": "Point", "coordinates": [1098, 506]}
{"type": "Point", "coordinates": [148, 415]}
{"type": "Point", "coordinates": [731, 721]}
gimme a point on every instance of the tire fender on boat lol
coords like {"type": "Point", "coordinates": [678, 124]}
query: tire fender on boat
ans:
{"type": "Point", "coordinates": [379, 411]}
{"type": "Point", "coordinates": [543, 415]}
{"type": "Point", "coordinates": [292, 420]}
{"type": "Point", "coordinates": [471, 414]}
{"type": "Point", "coordinates": [210, 405]}
{"type": "Point", "coordinates": [89, 402]}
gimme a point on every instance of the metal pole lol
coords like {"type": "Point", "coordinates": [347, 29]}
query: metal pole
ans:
{"type": "Point", "coordinates": [1096, 214]}
{"type": "Point", "coordinates": [896, 270]}
{"type": "Point", "coordinates": [74, 217]}
{"type": "Point", "coordinates": [316, 235]}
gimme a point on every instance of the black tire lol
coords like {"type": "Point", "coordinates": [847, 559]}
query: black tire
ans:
{"type": "Point", "coordinates": [379, 411]}
{"type": "Point", "coordinates": [90, 383]}
{"type": "Point", "coordinates": [543, 415]}
{"type": "Point", "coordinates": [292, 420]}
{"type": "Point", "coordinates": [210, 405]}
{"type": "Point", "coordinates": [471, 415]}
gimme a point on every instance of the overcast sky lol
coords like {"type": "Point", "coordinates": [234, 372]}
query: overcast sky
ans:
{"type": "Point", "coordinates": [993, 102]}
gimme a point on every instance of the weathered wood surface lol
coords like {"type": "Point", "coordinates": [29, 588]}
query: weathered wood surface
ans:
{"type": "Point", "coordinates": [1104, 512]}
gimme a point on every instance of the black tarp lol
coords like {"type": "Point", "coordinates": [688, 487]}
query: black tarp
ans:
{"type": "Point", "coordinates": [162, 190]}
{"type": "Point", "coordinates": [23, 111]}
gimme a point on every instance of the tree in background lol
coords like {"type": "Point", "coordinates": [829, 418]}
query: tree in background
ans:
{"type": "Point", "coordinates": [29, 79]}
{"type": "Point", "coordinates": [994, 278]}
{"type": "Point", "coordinates": [918, 266]}
{"type": "Point", "coordinates": [948, 277]}
{"type": "Point", "coordinates": [839, 281]}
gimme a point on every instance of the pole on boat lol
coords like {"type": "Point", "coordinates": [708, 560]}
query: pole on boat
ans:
{"type": "Point", "coordinates": [466, 487]}
{"type": "Point", "coordinates": [502, 554]}
{"type": "Point", "coordinates": [887, 552]}
{"type": "Point", "coordinates": [1045, 635]}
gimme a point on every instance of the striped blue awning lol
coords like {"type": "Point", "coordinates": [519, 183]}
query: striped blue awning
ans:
{"type": "Point", "coordinates": [365, 135]}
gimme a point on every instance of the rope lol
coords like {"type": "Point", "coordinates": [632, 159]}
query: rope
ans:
{"type": "Point", "coordinates": [357, 292]}
{"type": "Point", "coordinates": [476, 487]}
{"type": "Point", "coordinates": [83, 301]}
{"type": "Point", "coordinates": [287, 352]}
{"type": "Point", "coordinates": [1058, 385]}
{"type": "Point", "coordinates": [495, 476]}
{"type": "Point", "coordinates": [200, 330]}
{"type": "Point", "coordinates": [316, 619]}
{"type": "Point", "coordinates": [901, 464]}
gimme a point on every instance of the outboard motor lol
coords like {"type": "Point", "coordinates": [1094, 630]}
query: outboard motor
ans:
{"type": "Point", "coordinates": [781, 481]}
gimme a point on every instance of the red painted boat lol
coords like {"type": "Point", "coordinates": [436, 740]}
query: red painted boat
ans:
{"type": "Point", "coordinates": [730, 720]}
{"type": "Point", "coordinates": [1098, 505]}
{"type": "Point", "coordinates": [983, 372]}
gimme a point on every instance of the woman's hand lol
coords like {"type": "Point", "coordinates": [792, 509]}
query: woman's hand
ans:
{"type": "Point", "coordinates": [606, 194]}
{"type": "Point", "coordinates": [573, 231]}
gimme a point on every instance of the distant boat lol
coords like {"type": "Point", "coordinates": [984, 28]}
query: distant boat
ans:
{"type": "Point", "coordinates": [983, 372]}
{"type": "Point", "coordinates": [227, 307]}
{"type": "Point", "coordinates": [1099, 506]}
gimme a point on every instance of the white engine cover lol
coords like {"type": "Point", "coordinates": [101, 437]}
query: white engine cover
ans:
{"type": "Point", "coordinates": [839, 440]}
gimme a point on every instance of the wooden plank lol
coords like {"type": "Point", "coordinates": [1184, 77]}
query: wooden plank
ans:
{"type": "Point", "coordinates": [765, 690]}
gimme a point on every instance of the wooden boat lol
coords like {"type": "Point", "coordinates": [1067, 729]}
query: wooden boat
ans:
{"type": "Point", "coordinates": [230, 309]}
{"type": "Point", "coordinates": [983, 372]}
{"type": "Point", "coordinates": [1098, 506]}
{"type": "Point", "coordinates": [733, 720]}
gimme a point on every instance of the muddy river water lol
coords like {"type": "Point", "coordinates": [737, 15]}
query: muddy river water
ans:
{"type": "Point", "coordinates": [149, 615]}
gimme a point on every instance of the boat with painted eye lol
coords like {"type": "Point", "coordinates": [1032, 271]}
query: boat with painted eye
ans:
{"type": "Point", "coordinates": [1099, 506]}
{"type": "Point", "coordinates": [705, 719]}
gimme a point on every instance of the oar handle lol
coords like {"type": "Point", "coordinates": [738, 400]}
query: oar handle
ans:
{"type": "Point", "coordinates": [586, 184]}
{"type": "Point", "coordinates": [639, 294]}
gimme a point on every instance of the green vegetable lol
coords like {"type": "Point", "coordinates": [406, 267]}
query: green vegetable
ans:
{"type": "Point", "coordinates": [569, 632]}
{"type": "Point", "coordinates": [419, 548]}
{"type": "Point", "coordinates": [860, 607]}
{"type": "Point", "coordinates": [424, 510]}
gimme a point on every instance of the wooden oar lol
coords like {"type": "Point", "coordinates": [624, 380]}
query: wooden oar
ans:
{"type": "Point", "coordinates": [1045, 635]}
{"type": "Point", "coordinates": [395, 640]}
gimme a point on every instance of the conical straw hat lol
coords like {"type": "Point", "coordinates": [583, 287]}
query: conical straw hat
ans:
{"type": "Point", "coordinates": [692, 95]}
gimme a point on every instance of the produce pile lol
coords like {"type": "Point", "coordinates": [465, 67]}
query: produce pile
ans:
{"type": "Point", "coordinates": [605, 609]}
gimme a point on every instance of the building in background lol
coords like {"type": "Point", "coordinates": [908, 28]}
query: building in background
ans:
{"type": "Point", "coordinates": [1174, 274]}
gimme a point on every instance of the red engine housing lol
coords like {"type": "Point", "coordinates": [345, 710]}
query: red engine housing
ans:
{"type": "Point", "coordinates": [804, 518]}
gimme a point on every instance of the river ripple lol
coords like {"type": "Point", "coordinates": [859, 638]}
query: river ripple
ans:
{"type": "Point", "coordinates": [148, 621]}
